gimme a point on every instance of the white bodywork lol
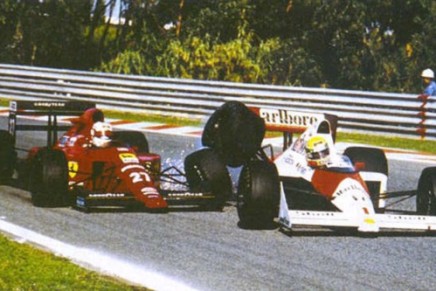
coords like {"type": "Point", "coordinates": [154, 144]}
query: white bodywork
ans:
{"type": "Point", "coordinates": [349, 195]}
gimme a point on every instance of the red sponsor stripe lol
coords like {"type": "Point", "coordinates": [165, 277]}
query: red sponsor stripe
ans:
{"type": "Point", "coordinates": [121, 122]}
{"type": "Point", "coordinates": [255, 110]}
{"type": "Point", "coordinates": [196, 133]}
{"type": "Point", "coordinates": [162, 126]}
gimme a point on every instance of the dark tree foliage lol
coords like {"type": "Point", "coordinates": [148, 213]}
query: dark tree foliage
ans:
{"type": "Point", "coordinates": [350, 44]}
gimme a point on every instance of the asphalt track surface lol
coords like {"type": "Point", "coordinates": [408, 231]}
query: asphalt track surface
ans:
{"type": "Point", "coordinates": [209, 251]}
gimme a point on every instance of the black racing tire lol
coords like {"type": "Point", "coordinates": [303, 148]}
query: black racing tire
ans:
{"type": "Point", "coordinates": [206, 172]}
{"type": "Point", "coordinates": [48, 179]}
{"type": "Point", "coordinates": [133, 139]}
{"type": "Point", "coordinates": [235, 132]}
{"type": "Point", "coordinates": [374, 160]}
{"type": "Point", "coordinates": [258, 195]}
{"type": "Point", "coordinates": [8, 157]}
{"type": "Point", "coordinates": [426, 193]}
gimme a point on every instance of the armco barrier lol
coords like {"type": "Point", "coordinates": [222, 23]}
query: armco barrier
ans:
{"type": "Point", "coordinates": [385, 113]}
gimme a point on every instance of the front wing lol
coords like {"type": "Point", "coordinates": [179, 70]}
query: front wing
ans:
{"type": "Point", "coordinates": [376, 223]}
{"type": "Point", "coordinates": [86, 201]}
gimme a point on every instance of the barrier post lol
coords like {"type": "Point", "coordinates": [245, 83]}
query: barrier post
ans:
{"type": "Point", "coordinates": [421, 130]}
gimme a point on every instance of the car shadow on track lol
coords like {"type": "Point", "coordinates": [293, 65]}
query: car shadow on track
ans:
{"type": "Point", "coordinates": [267, 226]}
{"type": "Point", "coordinates": [141, 209]}
{"type": "Point", "coordinates": [326, 232]}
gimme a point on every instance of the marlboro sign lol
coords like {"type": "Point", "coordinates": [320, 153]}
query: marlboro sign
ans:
{"type": "Point", "coordinates": [287, 120]}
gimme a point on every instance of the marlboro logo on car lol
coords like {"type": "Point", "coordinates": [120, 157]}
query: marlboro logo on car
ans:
{"type": "Point", "coordinates": [287, 120]}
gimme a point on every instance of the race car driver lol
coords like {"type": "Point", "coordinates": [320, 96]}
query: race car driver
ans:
{"type": "Point", "coordinates": [321, 154]}
{"type": "Point", "coordinates": [101, 134]}
{"type": "Point", "coordinates": [79, 135]}
{"type": "Point", "coordinates": [317, 152]}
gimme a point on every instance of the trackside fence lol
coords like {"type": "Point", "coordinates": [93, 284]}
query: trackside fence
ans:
{"type": "Point", "coordinates": [362, 111]}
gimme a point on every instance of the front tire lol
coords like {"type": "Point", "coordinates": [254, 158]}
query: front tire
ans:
{"type": "Point", "coordinates": [206, 172]}
{"type": "Point", "coordinates": [258, 195]}
{"type": "Point", "coordinates": [48, 181]}
{"type": "Point", "coordinates": [426, 194]}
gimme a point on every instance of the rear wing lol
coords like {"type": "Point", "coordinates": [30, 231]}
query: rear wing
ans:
{"type": "Point", "coordinates": [51, 109]}
{"type": "Point", "coordinates": [291, 121]}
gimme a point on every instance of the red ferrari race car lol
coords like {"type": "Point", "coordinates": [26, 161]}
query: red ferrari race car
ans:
{"type": "Point", "coordinates": [91, 165]}
{"type": "Point", "coordinates": [311, 183]}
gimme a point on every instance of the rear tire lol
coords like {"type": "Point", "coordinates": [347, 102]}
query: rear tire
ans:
{"type": "Point", "coordinates": [426, 194]}
{"type": "Point", "coordinates": [235, 132]}
{"type": "Point", "coordinates": [8, 157]}
{"type": "Point", "coordinates": [133, 139]}
{"type": "Point", "coordinates": [49, 179]}
{"type": "Point", "coordinates": [374, 158]}
{"type": "Point", "coordinates": [375, 161]}
{"type": "Point", "coordinates": [206, 172]}
{"type": "Point", "coordinates": [258, 195]}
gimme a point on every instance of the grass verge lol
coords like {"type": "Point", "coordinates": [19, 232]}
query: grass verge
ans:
{"type": "Point", "coordinates": [173, 120]}
{"type": "Point", "coordinates": [425, 146]}
{"type": "Point", "coordinates": [23, 267]}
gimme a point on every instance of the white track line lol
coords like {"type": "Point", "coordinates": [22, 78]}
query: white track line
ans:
{"type": "Point", "coordinates": [94, 260]}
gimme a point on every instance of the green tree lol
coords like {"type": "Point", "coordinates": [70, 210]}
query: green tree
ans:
{"type": "Point", "coordinates": [358, 44]}
{"type": "Point", "coordinates": [219, 20]}
{"type": "Point", "coordinates": [420, 52]}
{"type": "Point", "coordinates": [9, 40]}
{"type": "Point", "coordinates": [197, 59]}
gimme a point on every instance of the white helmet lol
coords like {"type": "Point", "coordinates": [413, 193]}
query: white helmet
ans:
{"type": "Point", "coordinates": [101, 134]}
{"type": "Point", "coordinates": [428, 73]}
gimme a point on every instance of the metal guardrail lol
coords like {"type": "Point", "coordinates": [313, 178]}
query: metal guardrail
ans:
{"type": "Point", "coordinates": [385, 113]}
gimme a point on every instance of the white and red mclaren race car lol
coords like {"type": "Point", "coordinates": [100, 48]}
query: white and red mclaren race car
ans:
{"type": "Point", "coordinates": [312, 184]}
{"type": "Point", "coordinates": [350, 189]}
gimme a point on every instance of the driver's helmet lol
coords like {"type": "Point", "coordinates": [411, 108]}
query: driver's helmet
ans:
{"type": "Point", "coordinates": [317, 151]}
{"type": "Point", "coordinates": [101, 134]}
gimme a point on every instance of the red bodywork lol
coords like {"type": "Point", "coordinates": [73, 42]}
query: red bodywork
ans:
{"type": "Point", "coordinates": [326, 182]}
{"type": "Point", "coordinates": [113, 170]}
